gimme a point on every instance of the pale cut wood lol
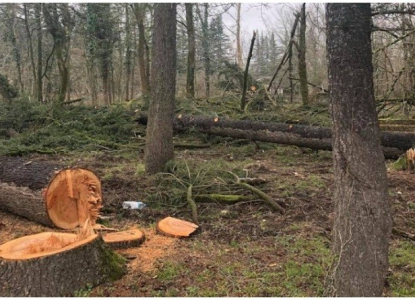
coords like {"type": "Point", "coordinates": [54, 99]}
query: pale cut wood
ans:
{"type": "Point", "coordinates": [54, 264]}
{"type": "Point", "coordinates": [124, 239]}
{"type": "Point", "coordinates": [175, 227]}
{"type": "Point", "coordinates": [72, 197]}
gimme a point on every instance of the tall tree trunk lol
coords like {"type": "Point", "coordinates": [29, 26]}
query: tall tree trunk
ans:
{"type": "Point", "coordinates": [204, 20]}
{"type": "Point", "coordinates": [11, 24]}
{"type": "Point", "coordinates": [362, 218]}
{"type": "Point", "coordinates": [60, 24]}
{"type": "Point", "coordinates": [29, 37]}
{"type": "Point", "coordinates": [128, 54]}
{"type": "Point", "coordinates": [238, 36]}
{"type": "Point", "coordinates": [191, 55]}
{"type": "Point", "coordinates": [39, 77]}
{"type": "Point", "coordinates": [159, 134]}
{"type": "Point", "coordinates": [302, 66]}
{"type": "Point", "coordinates": [143, 66]}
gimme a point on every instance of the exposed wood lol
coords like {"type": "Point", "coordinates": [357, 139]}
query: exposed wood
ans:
{"type": "Point", "coordinates": [176, 228]}
{"type": "Point", "coordinates": [39, 191]}
{"type": "Point", "coordinates": [52, 264]}
{"type": "Point", "coordinates": [124, 239]}
{"type": "Point", "coordinates": [314, 137]}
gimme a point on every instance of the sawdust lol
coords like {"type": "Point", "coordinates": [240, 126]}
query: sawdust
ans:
{"type": "Point", "coordinates": [156, 246]}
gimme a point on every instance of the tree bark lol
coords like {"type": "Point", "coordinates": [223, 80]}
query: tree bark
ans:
{"type": "Point", "coordinates": [191, 55]}
{"type": "Point", "coordinates": [238, 36]}
{"type": "Point", "coordinates": [39, 77]}
{"type": "Point", "coordinates": [205, 44]}
{"type": "Point", "coordinates": [243, 102]}
{"type": "Point", "coordinates": [84, 263]}
{"type": "Point", "coordinates": [139, 12]}
{"type": "Point", "coordinates": [362, 222]}
{"type": "Point", "coordinates": [29, 37]}
{"type": "Point", "coordinates": [302, 66]}
{"type": "Point", "coordinates": [159, 133]}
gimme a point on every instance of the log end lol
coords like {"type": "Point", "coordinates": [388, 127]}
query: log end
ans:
{"type": "Point", "coordinates": [72, 197]}
{"type": "Point", "coordinates": [176, 228]}
{"type": "Point", "coordinates": [124, 239]}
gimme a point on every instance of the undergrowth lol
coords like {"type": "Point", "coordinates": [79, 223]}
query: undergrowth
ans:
{"type": "Point", "coordinates": [46, 129]}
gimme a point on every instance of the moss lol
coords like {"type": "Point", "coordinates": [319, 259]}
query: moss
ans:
{"type": "Point", "coordinates": [113, 264]}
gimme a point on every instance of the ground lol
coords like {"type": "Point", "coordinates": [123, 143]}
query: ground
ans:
{"type": "Point", "coordinates": [241, 249]}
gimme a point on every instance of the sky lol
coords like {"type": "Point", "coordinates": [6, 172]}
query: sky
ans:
{"type": "Point", "coordinates": [261, 17]}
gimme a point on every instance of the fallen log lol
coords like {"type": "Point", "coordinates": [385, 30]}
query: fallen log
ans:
{"type": "Point", "coordinates": [53, 264]}
{"type": "Point", "coordinates": [314, 137]}
{"type": "Point", "coordinates": [47, 194]}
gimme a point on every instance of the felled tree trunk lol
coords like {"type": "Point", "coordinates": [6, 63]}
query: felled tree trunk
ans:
{"type": "Point", "coordinates": [52, 264]}
{"type": "Point", "coordinates": [48, 194]}
{"type": "Point", "coordinates": [314, 137]}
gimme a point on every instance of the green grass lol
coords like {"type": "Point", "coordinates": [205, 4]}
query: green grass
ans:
{"type": "Point", "coordinates": [402, 263]}
{"type": "Point", "coordinates": [237, 270]}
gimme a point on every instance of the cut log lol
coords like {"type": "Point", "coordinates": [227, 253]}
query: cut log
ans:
{"type": "Point", "coordinates": [39, 191]}
{"type": "Point", "coordinates": [314, 137]}
{"type": "Point", "coordinates": [176, 228]}
{"type": "Point", "coordinates": [124, 239]}
{"type": "Point", "coordinates": [53, 264]}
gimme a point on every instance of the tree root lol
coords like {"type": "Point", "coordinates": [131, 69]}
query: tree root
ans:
{"type": "Point", "coordinates": [403, 234]}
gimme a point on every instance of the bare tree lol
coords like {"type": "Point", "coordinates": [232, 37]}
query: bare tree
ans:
{"type": "Point", "coordinates": [159, 133]}
{"type": "Point", "coordinates": [302, 66]}
{"type": "Point", "coordinates": [191, 55]}
{"type": "Point", "coordinates": [60, 24]}
{"type": "Point", "coordinates": [362, 222]}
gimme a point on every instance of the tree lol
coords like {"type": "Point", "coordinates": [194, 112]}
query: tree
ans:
{"type": "Point", "coordinates": [143, 51]}
{"type": "Point", "coordinates": [159, 133]}
{"type": "Point", "coordinates": [238, 36]}
{"type": "Point", "coordinates": [101, 43]}
{"type": "Point", "coordinates": [191, 55]}
{"type": "Point", "coordinates": [362, 222]}
{"type": "Point", "coordinates": [39, 77]}
{"type": "Point", "coordinates": [302, 66]}
{"type": "Point", "coordinates": [204, 21]}
{"type": "Point", "coordinates": [60, 24]}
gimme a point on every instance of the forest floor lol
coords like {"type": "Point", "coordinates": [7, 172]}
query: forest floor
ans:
{"type": "Point", "coordinates": [241, 249]}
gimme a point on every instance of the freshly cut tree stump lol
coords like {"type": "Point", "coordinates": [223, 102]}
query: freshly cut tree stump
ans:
{"type": "Point", "coordinates": [44, 193]}
{"type": "Point", "coordinates": [176, 228]}
{"type": "Point", "coordinates": [124, 239]}
{"type": "Point", "coordinates": [53, 264]}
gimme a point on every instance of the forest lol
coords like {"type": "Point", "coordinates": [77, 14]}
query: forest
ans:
{"type": "Point", "coordinates": [207, 149]}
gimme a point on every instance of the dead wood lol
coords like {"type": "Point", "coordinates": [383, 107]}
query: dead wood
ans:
{"type": "Point", "coordinates": [124, 239]}
{"type": "Point", "coordinates": [53, 264]}
{"type": "Point", "coordinates": [226, 199]}
{"type": "Point", "coordinates": [47, 194]}
{"type": "Point", "coordinates": [243, 101]}
{"type": "Point", "coordinates": [314, 137]}
{"type": "Point", "coordinates": [176, 228]}
{"type": "Point", "coordinates": [259, 193]}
